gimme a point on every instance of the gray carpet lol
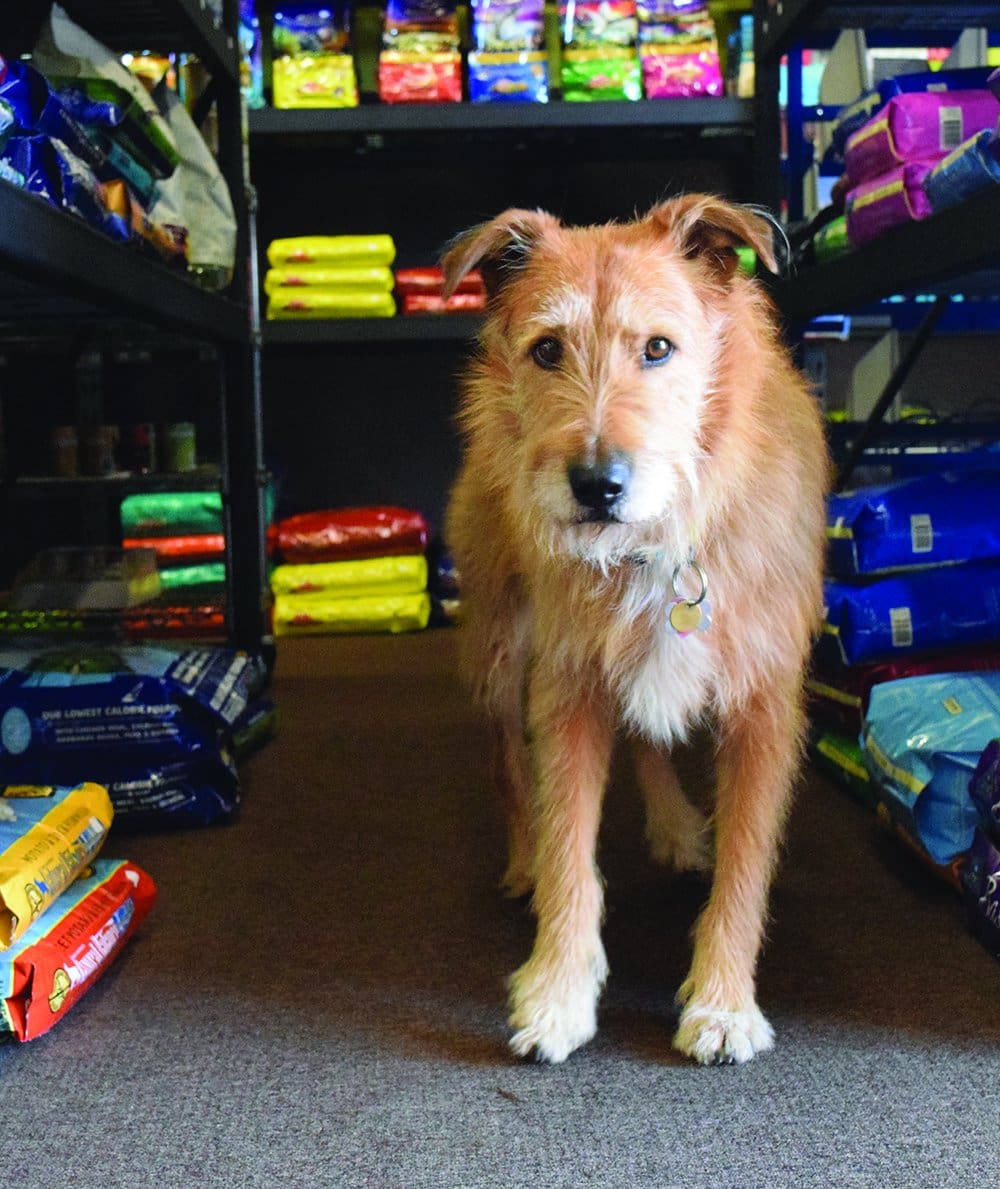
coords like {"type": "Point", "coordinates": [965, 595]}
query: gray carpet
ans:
{"type": "Point", "coordinates": [317, 999]}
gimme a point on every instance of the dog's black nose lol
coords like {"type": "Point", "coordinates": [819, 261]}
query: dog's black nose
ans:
{"type": "Point", "coordinates": [599, 485]}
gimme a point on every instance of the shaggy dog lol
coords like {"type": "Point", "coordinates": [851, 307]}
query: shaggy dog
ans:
{"type": "Point", "coordinates": [638, 449]}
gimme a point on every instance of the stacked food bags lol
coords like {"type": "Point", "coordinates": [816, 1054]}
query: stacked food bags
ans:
{"type": "Point", "coordinates": [330, 276]}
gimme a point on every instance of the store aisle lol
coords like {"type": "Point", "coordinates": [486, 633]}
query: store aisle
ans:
{"type": "Point", "coordinates": [317, 998]}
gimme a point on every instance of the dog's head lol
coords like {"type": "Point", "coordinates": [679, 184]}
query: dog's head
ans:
{"type": "Point", "coordinates": [601, 363]}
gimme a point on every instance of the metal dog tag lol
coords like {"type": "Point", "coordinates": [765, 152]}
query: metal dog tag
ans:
{"type": "Point", "coordinates": [687, 617]}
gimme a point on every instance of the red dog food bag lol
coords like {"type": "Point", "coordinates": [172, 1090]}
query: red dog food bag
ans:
{"type": "Point", "coordinates": [342, 534]}
{"type": "Point", "coordinates": [71, 945]}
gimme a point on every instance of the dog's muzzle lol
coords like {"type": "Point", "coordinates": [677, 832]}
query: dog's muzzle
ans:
{"type": "Point", "coordinates": [599, 486]}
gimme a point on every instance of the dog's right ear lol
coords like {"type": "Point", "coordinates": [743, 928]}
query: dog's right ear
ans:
{"type": "Point", "coordinates": [499, 248]}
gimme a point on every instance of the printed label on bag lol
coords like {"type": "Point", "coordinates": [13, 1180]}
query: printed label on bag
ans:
{"type": "Point", "coordinates": [901, 622]}
{"type": "Point", "coordinates": [950, 128]}
{"type": "Point", "coordinates": [921, 533]}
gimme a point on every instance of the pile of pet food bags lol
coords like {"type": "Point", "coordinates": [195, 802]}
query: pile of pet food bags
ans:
{"type": "Point", "coordinates": [916, 145]}
{"type": "Point", "coordinates": [905, 687]}
{"type": "Point", "coordinates": [349, 570]}
{"type": "Point", "coordinates": [65, 914]}
{"type": "Point", "coordinates": [81, 132]}
{"type": "Point", "coordinates": [186, 532]}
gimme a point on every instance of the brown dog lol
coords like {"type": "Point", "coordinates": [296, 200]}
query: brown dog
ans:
{"type": "Point", "coordinates": [637, 438]}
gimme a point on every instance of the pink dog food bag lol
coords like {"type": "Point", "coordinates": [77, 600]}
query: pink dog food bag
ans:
{"type": "Point", "coordinates": [895, 197]}
{"type": "Point", "coordinates": [920, 126]}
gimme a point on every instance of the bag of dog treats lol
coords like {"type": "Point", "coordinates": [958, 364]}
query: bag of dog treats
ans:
{"type": "Point", "coordinates": [932, 520]}
{"type": "Point", "coordinates": [599, 58]}
{"type": "Point", "coordinates": [420, 60]}
{"type": "Point", "coordinates": [353, 579]}
{"type": "Point", "coordinates": [984, 789]}
{"type": "Point", "coordinates": [323, 614]}
{"type": "Point", "coordinates": [922, 126]}
{"type": "Point", "coordinates": [508, 62]}
{"type": "Point", "coordinates": [945, 606]}
{"type": "Point", "coordinates": [68, 948]}
{"type": "Point", "coordinates": [343, 534]}
{"type": "Point", "coordinates": [47, 837]}
{"type": "Point", "coordinates": [329, 303]}
{"type": "Point", "coordinates": [313, 66]}
{"type": "Point", "coordinates": [923, 738]}
{"type": "Point", "coordinates": [375, 278]}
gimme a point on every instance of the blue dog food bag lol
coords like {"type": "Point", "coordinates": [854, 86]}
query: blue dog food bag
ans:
{"type": "Point", "coordinates": [923, 738]}
{"type": "Point", "coordinates": [932, 520]}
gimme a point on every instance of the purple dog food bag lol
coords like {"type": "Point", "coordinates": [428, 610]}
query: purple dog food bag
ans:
{"type": "Point", "coordinates": [921, 126]}
{"type": "Point", "coordinates": [887, 201]}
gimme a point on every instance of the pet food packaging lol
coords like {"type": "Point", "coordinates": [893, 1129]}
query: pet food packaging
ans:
{"type": "Point", "coordinates": [888, 201]}
{"type": "Point", "coordinates": [973, 166]}
{"type": "Point", "coordinates": [420, 77]}
{"type": "Point", "coordinates": [508, 62]}
{"type": "Point", "coordinates": [332, 251]}
{"type": "Point", "coordinates": [984, 789]}
{"type": "Point", "coordinates": [936, 519]}
{"type": "Point", "coordinates": [981, 887]}
{"type": "Point", "coordinates": [921, 126]}
{"type": "Point", "coordinates": [430, 280]}
{"type": "Point", "coordinates": [68, 948]}
{"type": "Point", "coordinates": [48, 836]}
{"type": "Point", "coordinates": [329, 303]}
{"type": "Point", "coordinates": [312, 65]}
{"type": "Point", "coordinates": [171, 513]}
{"type": "Point", "coordinates": [189, 547]}
{"type": "Point", "coordinates": [458, 303]}
{"type": "Point", "coordinates": [923, 738]}
{"type": "Point", "coordinates": [842, 759]}
{"type": "Point", "coordinates": [838, 693]}
{"type": "Point", "coordinates": [184, 791]}
{"type": "Point", "coordinates": [945, 606]}
{"type": "Point", "coordinates": [668, 73]}
{"type": "Point", "coordinates": [323, 614]}
{"type": "Point", "coordinates": [372, 576]}
{"type": "Point", "coordinates": [206, 576]}
{"type": "Point", "coordinates": [599, 59]}
{"type": "Point", "coordinates": [375, 278]}
{"type": "Point", "coordinates": [341, 534]}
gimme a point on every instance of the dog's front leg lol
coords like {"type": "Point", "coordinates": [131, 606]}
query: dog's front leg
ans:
{"type": "Point", "coordinates": [553, 997]}
{"type": "Point", "coordinates": [758, 757]}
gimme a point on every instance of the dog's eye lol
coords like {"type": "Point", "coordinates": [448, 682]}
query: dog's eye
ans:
{"type": "Point", "coordinates": [547, 353]}
{"type": "Point", "coordinates": [658, 350]}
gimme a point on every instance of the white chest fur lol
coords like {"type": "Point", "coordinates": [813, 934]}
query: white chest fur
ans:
{"type": "Point", "coordinates": [665, 694]}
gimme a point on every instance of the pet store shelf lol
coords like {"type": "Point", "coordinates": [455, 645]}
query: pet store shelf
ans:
{"type": "Point", "coordinates": [269, 124]}
{"type": "Point", "coordinates": [430, 328]}
{"type": "Point", "coordinates": [119, 482]}
{"type": "Point", "coordinates": [787, 21]}
{"type": "Point", "coordinates": [54, 251]}
{"type": "Point", "coordinates": [957, 250]}
{"type": "Point", "coordinates": [158, 25]}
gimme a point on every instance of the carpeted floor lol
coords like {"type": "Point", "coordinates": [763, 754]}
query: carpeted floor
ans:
{"type": "Point", "coordinates": [317, 998]}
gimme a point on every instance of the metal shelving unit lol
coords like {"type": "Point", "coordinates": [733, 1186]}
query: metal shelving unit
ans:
{"type": "Point", "coordinates": [429, 328]}
{"type": "Point", "coordinates": [64, 271]}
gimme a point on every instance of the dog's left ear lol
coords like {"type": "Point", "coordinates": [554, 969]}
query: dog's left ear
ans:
{"type": "Point", "coordinates": [701, 225]}
{"type": "Point", "coordinates": [499, 248]}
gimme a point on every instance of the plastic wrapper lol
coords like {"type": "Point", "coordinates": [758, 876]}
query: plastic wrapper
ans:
{"type": "Point", "coordinates": [329, 303]}
{"type": "Point", "coordinates": [587, 24]}
{"type": "Point", "coordinates": [973, 166]}
{"type": "Point", "coordinates": [838, 693]}
{"type": "Point", "coordinates": [168, 242]}
{"type": "Point", "coordinates": [936, 519]}
{"type": "Point", "coordinates": [984, 788]}
{"type": "Point", "coordinates": [67, 950]}
{"type": "Point", "coordinates": [458, 303]}
{"type": "Point", "coordinates": [322, 614]}
{"type": "Point", "coordinates": [375, 278]}
{"type": "Point", "coordinates": [70, 57]}
{"type": "Point", "coordinates": [421, 26]}
{"type": "Point", "coordinates": [207, 576]}
{"type": "Point", "coordinates": [199, 789]}
{"type": "Point", "coordinates": [923, 737]}
{"type": "Point", "coordinates": [920, 126]}
{"type": "Point", "coordinates": [342, 534]}
{"type": "Point", "coordinates": [406, 574]}
{"type": "Point", "coordinates": [312, 65]}
{"type": "Point", "coordinates": [251, 56]}
{"type": "Point", "coordinates": [189, 547]}
{"type": "Point", "coordinates": [831, 241]}
{"type": "Point", "coordinates": [254, 727]}
{"type": "Point", "coordinates": [430, 280]}
{"type": "Point", "coordinates": [599, 74]}
{"type": "Point", "coordinates": [171, 513]}
{"type": "Point", "coordinates": [508, 76]}
{"type": "Point", "coordinates": [419, 77]}
{"type": "Point", "coordinates": [332, 251]}
{"type": "Point", "coordinates": [944, 606]}
{"type": "Point", "coordinates": [196, 198]}
{"type": "Point", "coordinates": [507, 25]}
{"type": "Point", "coordinates": [842, 759]}
{"type": "Point", "coordinates": [47, 837]}
{"type": "Point", "coordinates": [671, 74]}
{"type": "Point", "coordinates": [981, 887]}
{"type": "Point", "coordinates": [891, 200]}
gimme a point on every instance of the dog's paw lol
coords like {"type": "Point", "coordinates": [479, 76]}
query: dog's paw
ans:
{"type": "Point", "coordinates": [683, 850]}
{"type": "Point", "coordinates": [554, 1013]}
{"type": "Point", "coordinates": [713, 1036]}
